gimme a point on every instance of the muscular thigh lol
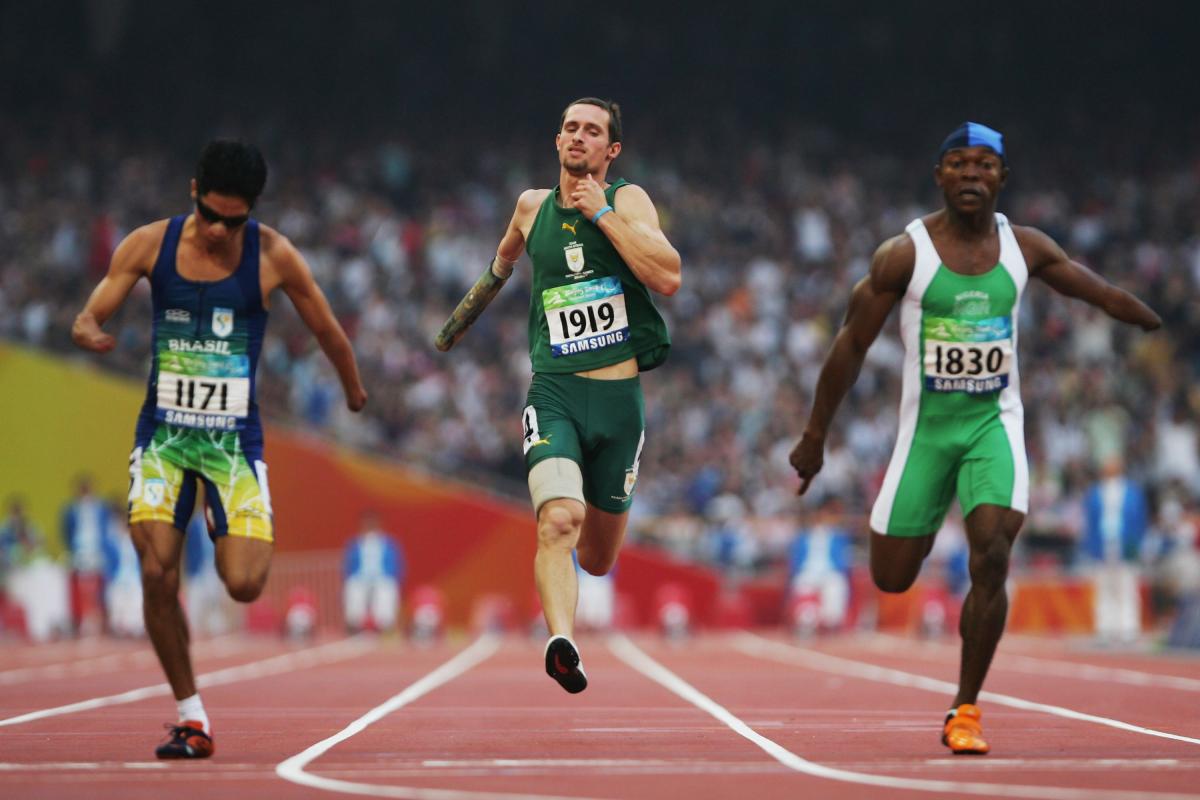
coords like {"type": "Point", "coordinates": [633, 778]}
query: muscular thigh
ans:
{"type": "Point", "coordinates": [238, 555]}
{"type": "Point", "coordinates": [919, 486]}
{"type": "Point", "coordinates": [991, 471]}
{"type": "Point", "coordinates": [613, 437]}
{"type": "Point", "coordinates": [159, 546]}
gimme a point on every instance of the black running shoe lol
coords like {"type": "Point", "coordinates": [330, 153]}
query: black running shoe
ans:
{"type": "Point", "coordinates": [186, 740]}
{"type": "Point", "coordinates": [562, 664]}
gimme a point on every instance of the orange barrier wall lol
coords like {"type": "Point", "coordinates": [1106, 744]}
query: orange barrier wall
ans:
{"type": "Point", "coordinates": [60, 418]}
{"type": "Point", "coordinates": [455, 537]}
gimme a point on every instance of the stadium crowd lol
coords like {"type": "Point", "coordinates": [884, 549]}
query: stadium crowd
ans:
{"type": "Point", "coordinates": [773, 233]}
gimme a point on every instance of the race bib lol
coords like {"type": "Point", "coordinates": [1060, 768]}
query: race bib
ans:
{"type": "Point", "coordinates": [586, 316]}
{"type": "Point", "coordinates": [969, 356]}
{"type": "Point", "coordinates": [200, 390]}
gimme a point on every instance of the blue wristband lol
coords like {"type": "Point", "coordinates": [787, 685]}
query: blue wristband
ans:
{"type": "Point", "coordinates": [601, 213]}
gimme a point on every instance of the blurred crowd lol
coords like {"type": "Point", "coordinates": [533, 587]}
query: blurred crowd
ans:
{"type": "Point", "coordinates": [773, 231]}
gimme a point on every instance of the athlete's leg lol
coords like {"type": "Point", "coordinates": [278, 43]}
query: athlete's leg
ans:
{"type": "Point", "coordinates": [558, 526]}
{"type": "Point", "coordinates": [159, 547]}
{"type": "Point", "coordinates": [896, 560]}
{"type": "Point", "coordinates": [991, 531]}
{"type": "Point", "coordinates": [242, 564]}
{"type": "Point", "coordinates": [600, 540]}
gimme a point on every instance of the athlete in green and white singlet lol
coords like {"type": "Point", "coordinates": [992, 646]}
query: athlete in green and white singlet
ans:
{"type": "Point", "coordinates": [958, 275]}
{"type": "Point", "coordinates": [961, 419]}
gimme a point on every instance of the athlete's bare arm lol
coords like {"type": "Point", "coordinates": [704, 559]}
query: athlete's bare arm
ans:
{"type": "Point", "coordinates": [133, 259]}
{"type": "Point", "coordinates": [633, 228]}
{"type": "Point", "coordinates": [871, 301]}
{"type": "Point", "coordinates": [512, 245]}
{"type": "Point", "coordinates": [1047, 260]}
{"type": "Point", "coordinates": [288, 270]}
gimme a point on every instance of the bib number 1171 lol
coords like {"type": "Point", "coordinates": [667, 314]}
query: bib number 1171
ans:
{"type": "Point", "coordinates": [189, 391]}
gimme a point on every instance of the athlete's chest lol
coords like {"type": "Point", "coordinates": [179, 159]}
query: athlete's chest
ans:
{"type": "Point", "coordinates": [967, 258]}
{"type": "Point", "coordinates": [197, 264]}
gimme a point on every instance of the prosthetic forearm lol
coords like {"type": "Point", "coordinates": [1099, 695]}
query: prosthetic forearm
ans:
{"type": "Point", "coordinates": [471, 306]}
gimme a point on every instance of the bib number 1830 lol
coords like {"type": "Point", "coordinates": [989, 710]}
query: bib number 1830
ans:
{"type": "Point", "coordinates": [954, 360]}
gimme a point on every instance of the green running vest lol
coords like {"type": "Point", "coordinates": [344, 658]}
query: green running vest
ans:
{"type": "Point", "coordinates": [587, 309]}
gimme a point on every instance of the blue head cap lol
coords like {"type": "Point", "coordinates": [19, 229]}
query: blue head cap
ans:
{"type": "Point", "coordinates": [973, 134]}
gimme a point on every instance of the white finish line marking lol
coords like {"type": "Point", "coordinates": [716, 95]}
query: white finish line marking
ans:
{"type": "Point", "coordinates": [308, 657]}
{"type": "Point", "coordinates": [1041, 665]}
{"type": "Point", "coordinates": [634, 657]}
{"type": "Point", "coordinates": [293, 768]}
{"type": "Point", "coordinates": [759, 647]}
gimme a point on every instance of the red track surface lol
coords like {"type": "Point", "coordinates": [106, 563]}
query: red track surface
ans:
{"type": "Point", "coordinates": [503, 727]}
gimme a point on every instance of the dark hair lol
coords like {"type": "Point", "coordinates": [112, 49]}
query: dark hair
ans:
{"type": "Point", "coordinates": [614, 115]}
{"type": "Point", "coordinates": [231, 166]}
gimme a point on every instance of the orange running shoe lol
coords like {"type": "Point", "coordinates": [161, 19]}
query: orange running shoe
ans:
{"type": "Point", "coordinates": [963, 733]}
{"type": "Point", "coordinates": [186, 740]}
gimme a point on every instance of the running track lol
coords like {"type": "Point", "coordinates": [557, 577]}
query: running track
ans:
{"type": "Point", "coordinates": [735, 715]}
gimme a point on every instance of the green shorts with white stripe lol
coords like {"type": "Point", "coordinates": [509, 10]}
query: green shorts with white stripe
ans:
{"type": "Point", "coordinates": [982, 460]}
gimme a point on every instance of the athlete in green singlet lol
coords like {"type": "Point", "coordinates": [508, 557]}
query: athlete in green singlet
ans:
{"type": "Point", "coordinates": [958, 275]}
{"type": "Point", "coordinates": [597, 253]}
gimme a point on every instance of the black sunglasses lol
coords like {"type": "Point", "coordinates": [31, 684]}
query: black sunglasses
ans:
{"type": "Point", "coordinates": [213, 217]}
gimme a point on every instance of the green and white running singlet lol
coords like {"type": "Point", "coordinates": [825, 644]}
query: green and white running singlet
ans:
{"type": "Point", "coordinates": [962, 425]}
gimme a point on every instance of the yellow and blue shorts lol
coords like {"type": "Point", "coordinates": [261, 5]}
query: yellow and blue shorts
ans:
{"type": "Point", "coordinates": [166, 468]}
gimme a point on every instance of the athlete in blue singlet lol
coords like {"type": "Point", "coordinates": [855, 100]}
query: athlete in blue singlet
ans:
{"type": "Point", "coordinates": [211, 274]}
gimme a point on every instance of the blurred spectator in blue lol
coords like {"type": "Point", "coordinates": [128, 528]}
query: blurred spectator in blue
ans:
{"type": "Point", "coordinates": [819, 572]}
{"type": "Point", "coordinates": [122, 577]}
{"type": "Point", "coordinates": [31, 581]}
{"type": "Point", "coordinates": [19, 541]}
{"type": "Point", "coordinates": [86, 520]}
{"type": "Point", "coordinates": [1115, 522]}
{"type": "Point", "coordinates": [204, 596]}
{"type": "Point", "coordinates": [729, 544]}
{"type": "Point", "coordinates": [373, 573]}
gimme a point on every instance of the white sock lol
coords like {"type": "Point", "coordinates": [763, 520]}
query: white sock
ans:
{"type": "Point", "coordinates": [190, 708]}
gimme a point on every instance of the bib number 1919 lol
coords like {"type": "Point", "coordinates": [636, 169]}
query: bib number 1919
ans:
{"type": "Point", "coordinates": [576, 322]}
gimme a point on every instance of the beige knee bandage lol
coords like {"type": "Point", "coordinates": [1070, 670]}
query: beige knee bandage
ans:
{"type": "Point", "coordinates": [555, 478]}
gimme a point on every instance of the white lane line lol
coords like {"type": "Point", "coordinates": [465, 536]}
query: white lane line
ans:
{"type": "Point", "coordinates": [1041, 665]}
{"type": "Point", "coordinates": [74, 766]}
{"type": "Point", "coordinates": [78, 668]}
{"type": "Point", "coordinates": [631, 655]}
{"type": "Point", "coordinates": [300, 659]}
{"type": "Point", "coordinates": [293, 768]}
{"type": "Point", "coordinates": [74, 669]}
{"type": "Point", "coordinates": [753, 645]}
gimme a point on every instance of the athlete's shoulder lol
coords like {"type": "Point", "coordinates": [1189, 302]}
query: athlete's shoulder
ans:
{"type": "Point", "coordinates": [277, 250]}
{"type": "Point", "coordinates": [151, 233]}
{"type": "Point", "coordinates": [1029, 234]}
{"type": "Point", "coordinates": [139, 249]}
{"type": "Point", "coordinates": [1038, 247]}
{"type": "Point", "coordinates": [631, 191]}
{"type": "Point", "coordinates": [271, 240]}
{"type": "Point", "coordinates": [893, 262]}
{"type": "Point", "coordinates": [531, 199]}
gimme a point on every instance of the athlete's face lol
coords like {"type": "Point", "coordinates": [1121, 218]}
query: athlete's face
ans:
{"type": "Point", "coordinates": [583, 144]}
{"type": "Point", "coordinates": [970, 178]}
{"type": "Point", "coordinates": [219, 216]}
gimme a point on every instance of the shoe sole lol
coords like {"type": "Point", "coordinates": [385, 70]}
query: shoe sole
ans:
{"type": "Point", "coordinates": [562, 664]}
